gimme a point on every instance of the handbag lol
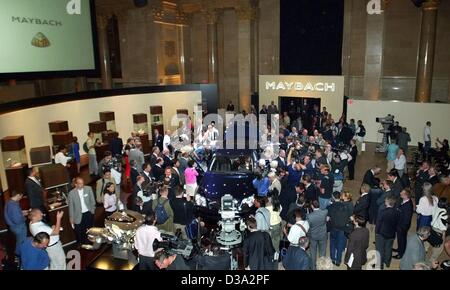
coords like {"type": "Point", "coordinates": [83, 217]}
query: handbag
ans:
{"type": "Point", "coordinates": [435, 239]}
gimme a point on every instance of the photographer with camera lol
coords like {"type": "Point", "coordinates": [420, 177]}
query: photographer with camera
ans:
{"type": "Point", "coordinates": [165, 261]}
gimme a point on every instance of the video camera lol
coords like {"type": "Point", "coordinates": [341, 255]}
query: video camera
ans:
{"type": "Point", "coordinates": [174, 246]}
{"type": "Point", "coordinates": [389, 119]}
{"type": "Point", "coordinates": [152, 187]}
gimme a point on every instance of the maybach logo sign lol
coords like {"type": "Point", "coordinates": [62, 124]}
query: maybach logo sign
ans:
{"type": "Point", "coordinates": [299, 86]}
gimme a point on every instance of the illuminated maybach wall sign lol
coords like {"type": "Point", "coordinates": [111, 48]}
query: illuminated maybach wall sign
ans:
{"type": "Point", "coordinates": [299, 86]}
{"type": "Point", "coordinates": [329, 89]}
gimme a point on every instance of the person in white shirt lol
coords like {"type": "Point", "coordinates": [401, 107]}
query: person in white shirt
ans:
{"type": "Point", "coordinates": [143, 242]}
{"type": "Point", "coordinates": [400, 162]}
{"type": "Point", "coordinates": [166, 141]}
{"type": "Point", "coordinates": [61, 157]}
{"type": "Point", "coordinates": [427, 136]}
{"type": "Point", "coordinates": [109, 199]}
{"type": "Point", "coordinates": [427, 204]}
{"type": "Point", "coordinates": [439, 224]}
{"type": "Point", "coordinates": [299, 229]}
{"type": "Point", "coordinates": [54, 249]}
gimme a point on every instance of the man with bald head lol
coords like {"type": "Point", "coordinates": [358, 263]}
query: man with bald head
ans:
{"type": "Point", "coordinates": [81, 203]}
{"type": "Point", "coordinates": [54, 249]}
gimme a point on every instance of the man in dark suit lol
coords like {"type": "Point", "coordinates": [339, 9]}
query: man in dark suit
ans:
{"type": "Point", "coordinates": [176, 171]}
{"type": "Point", "coordinates": [351, 164]}
{"type": "Point", "coordinates": [311, 191]}
{"type": "Point", "coordinates": [422, 176]}
{"type": "Point", "coordinates": [370, 178]}
{"type": "Point", "coordinates": [166, 158]}
{"type": "Point", "coordinates": [34, 190]}
{"type": "Point", "coordinates": [387, 191]}
{"type": "Point", "coordinates": [154, 156]}
{"type": "Point", "coordinates": [147, 173]}
{"type": "Point", "coordinates": [281, 159]}
{"type": "Point", "coordinates": [296, 257]}
{"type": "Point", "coordinates": [158, 170]}
{"type": "Point", "coordinates": [116, 146]}
{"type": "Point", "coordinates": [406, 209]}
{"type": "Point", "coordinates": [257, 248]}
{"type": "Point", "coordinates": [397, 186]}
{"type": "Point", "coordinates": [172, 181]}
{"type": "Point", "coordinates": [139, 202]}
{"type": "Point", "coordinates": [183, 159]}
{"type": "Point", "coordinates": [158, 140]}
{"type": "Point", "coordinates": [385, 230]}
{"type": "Point", "coordinates": [357, 245]}
{"type": "Point", "coordinates": [363, 203]}
{"type": "Point", "coordinates": [374, 194]}
{"type": "Point", "coordinates": [134, 173]}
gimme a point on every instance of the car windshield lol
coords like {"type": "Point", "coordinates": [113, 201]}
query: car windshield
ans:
{"type": "Point", "coordinates": [231, 164]}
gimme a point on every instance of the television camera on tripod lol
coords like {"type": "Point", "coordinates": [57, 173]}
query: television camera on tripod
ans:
{"type": "Point", "coordinates": [386, 122]}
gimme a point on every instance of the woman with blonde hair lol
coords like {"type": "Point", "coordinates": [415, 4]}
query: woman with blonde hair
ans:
{"type": "Point", "coordinates": [346, 196]}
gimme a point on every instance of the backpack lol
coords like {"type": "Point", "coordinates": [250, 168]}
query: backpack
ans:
{"type": "Point", "coordinates": [191, 230]}
{"type": "Point", "coordinates": [161, 213]}
{"type": "Point", "coordinates": [85, 147]}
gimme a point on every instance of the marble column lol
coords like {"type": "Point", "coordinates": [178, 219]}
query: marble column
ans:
{"type": "Point", "coordinates": [373, 65]}
{"type": "Point", "coordinates": [182, 20]}
{"type": "Point", "coordinates": [347, 45]}
{"type": "Point", "coordinates": [211, 36]}
{"type": "Point", "coordinates": [426, 51]}
{"type": "Point", "coordinates": [246, 51]}
{"type": "Point", "coordinates": [105, 64]}
{"type": "Point", "coordinates": [255, 52]}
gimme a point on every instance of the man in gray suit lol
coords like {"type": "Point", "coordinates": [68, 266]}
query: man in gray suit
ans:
{"type": "Point", "coordinates": [137, 155]}
{"type": "Point", "coordinates": [415, 250]}
{"type": "Point", "coordinates": [81, 209]}
{"type": "Point", "coordinates": [317, 232]}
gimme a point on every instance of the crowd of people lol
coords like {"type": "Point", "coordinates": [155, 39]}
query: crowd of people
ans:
{"type": "Point", "coordinates": [299, 209]}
